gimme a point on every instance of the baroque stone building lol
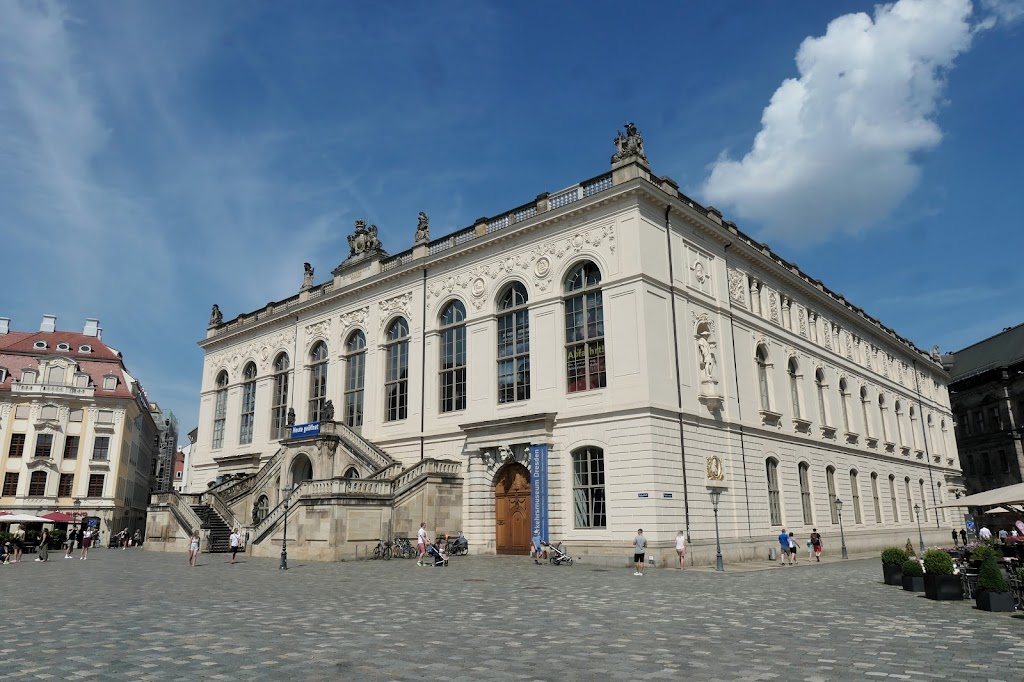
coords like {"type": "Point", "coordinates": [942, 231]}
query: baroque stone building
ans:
{"type": "Point", "coordinates": [75, 427]}
{"type": "Point", "coordinates": [594, 360]}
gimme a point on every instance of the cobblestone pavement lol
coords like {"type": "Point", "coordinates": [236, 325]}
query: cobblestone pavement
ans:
{"type": "Point", "coordinates": [136, 615]}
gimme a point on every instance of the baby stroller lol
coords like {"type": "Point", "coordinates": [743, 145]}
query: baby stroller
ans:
{"type": "Point", "coordinates": [434, 552]}
{"type": "Point", "coordinates": [557, 555]}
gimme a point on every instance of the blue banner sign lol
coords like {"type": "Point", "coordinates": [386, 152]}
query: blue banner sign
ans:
{"type": "Point", "coordinates": [306, 430]}
{"type": "Point", "coordinates": [539, 491]}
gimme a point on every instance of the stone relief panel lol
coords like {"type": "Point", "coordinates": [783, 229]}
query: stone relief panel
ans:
{"type": "Point", "coordinates": [259, 350]}
{"type": "Point", "coordinates": [773, 306]}
{"type": "Point", "coordinates": [395, 305]}
{"type": "Point", "coordinates": [353, 318]}
{"type": "Point", "coordinates": [738, 288]}
{"type": "Point", "coordinates": [700, 266]}
{"type": "Point", "coordinates": [802, 316]}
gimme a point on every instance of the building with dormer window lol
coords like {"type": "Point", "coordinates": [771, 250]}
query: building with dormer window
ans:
{"type": "Point", "coordinates": [592, 361]}
{"type": "Point", "coordinates": [76, 434]}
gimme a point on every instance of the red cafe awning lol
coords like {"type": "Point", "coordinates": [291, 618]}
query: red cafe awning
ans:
{"type": "Point", "coordinates": [59, 517]}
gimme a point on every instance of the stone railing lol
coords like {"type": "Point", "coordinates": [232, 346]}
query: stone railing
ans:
{"type": "Point", "coordinates": [452, 240]}
{"type": "Point", "coordinates": [269, 469]}
{"type": "Point", "coordinates": [234, 488]}
{"type": "Point", "coordinates": [428, 466]}
{"type": "Point", "coordinates": [395, 261]}
{"type": "Point", "coordinates": [261, 529]}
{"type": "Point", "coordinates": [386, 473]}
{"type": "Point", "coordinates": [217, 504]}
{"type": "Point", "coordinates": [180, 510]}
{"type": "Point", "coordinates": [362, 447]}
{"type": "Point", "coordinates": [52, 389]}
{"type": "Point", "coordinates": [338, 487]}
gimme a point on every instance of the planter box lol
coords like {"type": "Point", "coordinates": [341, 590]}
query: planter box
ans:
{"type": "Point", "coordinates": [994, 601]}
{"type": "Point", "coordinates": [893, 574]}
{"type": "Point", "coordinates": [943, 587]}
{"type": "Point", "coordinates": [913, 583]}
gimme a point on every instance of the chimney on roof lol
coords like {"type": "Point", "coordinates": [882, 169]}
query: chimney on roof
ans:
{"type": "Point", "coordinates": [91, 327]}
{"type": "Point", "coordinates": [5, 325]}
{"type": "Point", "coordinates": [49, 323]}
{"type": "Point", "coordinates": [99, 333]}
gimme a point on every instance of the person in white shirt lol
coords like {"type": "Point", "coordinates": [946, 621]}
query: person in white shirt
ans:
{"type": "Point", "coordinates": [681, 548]}
{"type": "Point", "coordinates": [421, 542]}
{"type": "Point", "coordinates": [233, 541]}
{"type": "Point", "coordinates": [985, 533]}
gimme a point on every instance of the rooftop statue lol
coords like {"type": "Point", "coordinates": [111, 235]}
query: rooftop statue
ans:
{"type": "Point", "coordinates": [216, 318]}
{"type": "Point", "coordinates": [364, 240]}
{"type": "Point", "coordinates": [629, 145]}
{"type": "Point", "coordinates": [422, 229]}
{"type": "Point", "coordinates": [307, 276]}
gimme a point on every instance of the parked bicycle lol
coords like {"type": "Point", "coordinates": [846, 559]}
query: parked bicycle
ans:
{"type": "Point", "coordinates": [456, 545]}
{"type": "Point", "coordinates": [403, 548]}
{"type": "Point", "coordinates": [382, 550]}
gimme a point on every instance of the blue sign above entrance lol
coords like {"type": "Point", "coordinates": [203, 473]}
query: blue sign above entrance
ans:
{"type": "Point", "coordinates": [306, 430]}
{"type": "Point", "coordinates": [539, 490]}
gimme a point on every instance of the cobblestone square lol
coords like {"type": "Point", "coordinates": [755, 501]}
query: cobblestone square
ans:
{"type": "Point", "coordinates": [137, 615]}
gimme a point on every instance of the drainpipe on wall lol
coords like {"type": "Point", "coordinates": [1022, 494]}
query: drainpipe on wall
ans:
{"type": "Point", "coordinates": [927, 454]}
{"type": "Point", "coordinates": [739, 406]}
{"type": "Point", "coordinates": [679, 377]}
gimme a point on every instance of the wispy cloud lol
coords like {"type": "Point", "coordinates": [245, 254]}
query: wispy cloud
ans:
{"type": "Point", "coordinates": [839, 146]}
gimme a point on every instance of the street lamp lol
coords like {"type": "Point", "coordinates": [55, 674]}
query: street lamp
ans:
{"type": "Point", "coordinates": [716, 494]}
{"type": "Point", "coordinates": [842, 535]}
{"type": "Point", "coordinates": [920, 537]}
{"type": "Point", "coordinates": [284, 540]}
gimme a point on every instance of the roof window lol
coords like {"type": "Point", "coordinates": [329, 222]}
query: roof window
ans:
{"type": "Point", "coordinates": [85, 348]}
{"type": "Point", "coordinates": [40, 345]}
{"type": "Point", "coordinates": [63, 346]}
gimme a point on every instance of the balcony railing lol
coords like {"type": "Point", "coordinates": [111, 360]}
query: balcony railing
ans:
{"type": "Point", "coordinates": [52, 389]}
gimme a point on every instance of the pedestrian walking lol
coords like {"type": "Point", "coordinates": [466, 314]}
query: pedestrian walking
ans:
{"type": "Point", "coordinates": [963, 537]}
{"type": "Point", "coordinates": [639, 548]}
{"type": "Point", "coordinates": [537, 549]}
{"type": "Point", "coordinates": [793, 546]}
{"type": "Point", "coordinates": [421, 543]}
{"type": "Point", "coordinates": [137, 538]}
{"type": "Point", "coordinates": [97, 540]}
{"type": "Point", "coordinates": [19, 543]}
{"type": "Point", "coordinates": [956, 540]}
{"type": "Point", "coordinates": [681, 548]}
{"type": "Point", "coordinates": [785, 557]}
{"type": "Point", "coordinates": [233, 542]}
{"type": "Point", "coordinates": [816, 543]}
{"type": "Point", "coordinates": [44, 546]}
{"type": "Point", "coordinates": [72, 539]}
{"type": "Point", "coordinates": [810, 550]}
{"type": "Point", "coordinates": [193, 549]}
{"type": "Point", "coordinates": [86, 543]}
{"type": "Point", "coordinates": [1003, 535]}
{"type": "Point", "coordinates": [985, 533]}
{"type": "Point", "coordinates": [122, 538]}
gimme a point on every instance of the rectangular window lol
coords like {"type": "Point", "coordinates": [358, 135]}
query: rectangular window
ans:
{"type": "Point", "coordinates": [71, 447]}
{"type": "Point", "coordinates": [1004, 462]}
{"type": "Point", "coordinates": [986, 464]}
{"type": "Point", "coordinates": [17, 448]}
{"type": "Point", "coordinates": [969, 464]}
{"type": "Point", "coordinates": [66, 486]}
{"type": "Point", "coordinates": [774, 498]}
{"type": "Point", "coordinates": [96, 485]}
{"type": "Point", "coordinates": [101, 448]}
{"type": "Point", "coordinates": [588, 488]}
{"type": "Point", "coordinates": [513, 357]}
{"type": "Point", "coordinates": [279, 413]}
{"type": "Point", "coordinates": [37, 484]}
{"type": "Point", "coordinates": [830, 477]}
{"type": "Point", "coordinates": [892, 500]}
{"type": "Point", "coordinates": [105, 417]}
{"type": "Point", "coordinates": [248, 413]}
{"type": "Point", "coordinates": [584, 335]}
{"type": "Point", "coordinates": [44, 444]}
{"type": "Point", "coordinates": [21, 412]}
{"type": "Point", "coordinates": [874, 497]}
{"type": "Point", "coordinates": [75, 416]}
{"type": "Point", "coordinates": [979, 421]}
{"type": "Point", "coordinates": [10, 484]}
{"type": "Point", "coordinates": [997, 421]}
{"type": "Point", "coordinates": [855, 494]}
{"type": "Point", "coordinates": [805, 495]}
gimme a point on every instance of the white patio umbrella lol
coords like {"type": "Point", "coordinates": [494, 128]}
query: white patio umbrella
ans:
{"type": "Point", "coordinates": [22, 518]}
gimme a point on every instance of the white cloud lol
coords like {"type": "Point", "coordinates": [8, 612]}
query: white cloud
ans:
{"type": "Point", "coordinates": [1004, 11]}
{"type": "Point", "coordinates": [838, 147]}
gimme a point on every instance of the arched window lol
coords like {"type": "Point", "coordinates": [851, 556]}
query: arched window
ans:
{"type": "Point", "coordinates": [892, 499]}
{"type": "Point", "coordinates": [453, 357]}
{"type": "Point", "coordinates": [220, 410]}
{"type": "Point", "coordinates": [805, 493]}
{"type": "Point", "coordinates": [584, 329]}
{"type": "Point", "coordinates": [37, 484]}
{"type": "Point", "coordinates": [942, 440]}
{"type": "Point", "coordinates": [762, 377]}
{"type": "Point", "coordinates": [588, 495]}
{"type": "Point", "coordinates": [317, 381]}
{"type": "Point", "coordinates": [513, 344]}
{"type": "Point", "coordinates": [794, 387]}
{"type": "Point", "coordinates": [774, 499]}
{"type": "Point", "coordinates": [819, 384]}
{"type": "Point", "coordinates": [913, 426]}
{"type": "Point", "coordinates": [248, 404]}
{"type": "Point", "coordinates": [910, 498]}
{"type": "Point", "coordinates": [260, 510]}
{"type": "Point", "coordinates": [279, 410]}
{"type": "Point", "coordinates": [864, 410]}
{"type": "Point", "coordinates": [881, 417]}
{"type": "Point", "coordinates": [898, 408]}
{"type": "Point", "coordinates": [355, 378]}
{"type": "Point", "coordinates": [844, 399]}
{"type": "Point", "coordinates": [351, 472]}
{"type": "Point", "coordinates": [830, 478]}
{"type": "Point", "coordinates": [855, 494]}
{"type": "Point", "coordinates": [874, 497]}
{"type": "Point", "coordinates": [396, 383]}
{"type": "Point", "coordinates": [924, 500]}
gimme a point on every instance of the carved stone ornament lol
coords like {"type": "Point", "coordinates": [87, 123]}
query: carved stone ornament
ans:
{"type": "Point", "coordinates": [737, 288]}
{"type": "Point", "coordinates": [395, 304]}
{"type": "Point", "coordinates": [542, 267]}
{"type": "Point", "coordinates": [802, 316]}
{"type": "Point", "coordinates": [307, 276]}
{"type": "Point", "coordinates": [259, 350]}
{"type": "Point", "coordinates": [216, 317]}
{"type": "Point", "coordinates": [422, 229]}
{"type": "Point", "coordinates": [321, 329]}
{"type": "Point", "coordinates": [715, 469]}
{"type": "Point", "coordinates": [630, 145]}
{"type": "Point", "coordinates": [699, 273]}
{"type": "Point", "coordinates": [363, 242]}
{"type": "Point", "coordinates": [354, 318]}
{"type": "Point", "coordinates": [773, 306]}
{"type": "Point", "coordinates": [701, 319]}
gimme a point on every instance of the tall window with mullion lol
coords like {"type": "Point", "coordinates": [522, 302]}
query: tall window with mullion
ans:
{"type": "Point", "coordinates": [584, 329]}
{"type": "Point", "coordinates": [220, 410]}
{"type": "Point", "coordinates": [805, 493]}
{"type": "Point", "coordinates": [279, 410]}
{"type": "Point", "coordinates": [317, 381]}
{"type": "Point", "coordinates": [248, 404]}
{"type": "Point", "coordinates": [513, 344]}
{"type": "Point", "coordinates": [591, 510]}
{"type": "Point", "coordinates": [794, 387]}
{"type": "Point", "coordinates": [355, 377]}
{"type": "Point", "coordinates": [44, 445]}
{"type": "Point", "coordinates": [453, 357]}
{"type": "Point", "coordinates": [396, 383]}
{"type": "Point", "coordinates": [761, 357]}
{"type": "Point", "coordinates": [830, 479]}
{"type": "Point", "coordinates": [774, 496]}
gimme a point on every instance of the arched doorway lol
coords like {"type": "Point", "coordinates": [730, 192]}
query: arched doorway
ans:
{"type": "Point", "coordinates": [302, 469]}
{"type": "Point", "coordinates": [512, 509]}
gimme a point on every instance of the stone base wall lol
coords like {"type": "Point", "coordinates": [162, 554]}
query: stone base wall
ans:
{"type": "Point", "coordinates": [163, 532]}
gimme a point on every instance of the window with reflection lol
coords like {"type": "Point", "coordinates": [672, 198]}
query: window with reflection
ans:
{"type": "Point", "coordinates": [396, 381]}
{"type": "Point", "coordinates": [248, 404]}
{"type": "Point", "coordinates": [220, 410]}
{"type": "Point", "coordinates": [805, 493]}
{"type": "Point", "coordinates": [761, 356]}
{"type": "Point", "coordinates": [830, 479]}
{"type": "Point", "coordinates": [279, 409]}
{"type": "Point", "coordinates": [584, 329]}
{"type": "Point", "coordinates": [513, 344]}
{"type": "Point", "coordinates": [453, 357]}
{"type": "Point", "coordinates": [317, 381]}
{"type": "Point", "coordinates": [590, 507]}
{"type": "Point", "coordinates": [355, 378]}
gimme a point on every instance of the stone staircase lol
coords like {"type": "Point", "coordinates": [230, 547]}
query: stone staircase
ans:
{"type": "Point", "coordinates": [219, 532]}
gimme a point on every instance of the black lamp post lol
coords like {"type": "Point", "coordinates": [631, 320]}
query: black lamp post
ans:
{"type": "Point", "coordinates": [716, 494]}
{"type": "Point", "coordinates": [842, 535]}
{"type": "Point", "coordinates": [920, 537]}
{"type": "Point", "coordinates": [284, 540]}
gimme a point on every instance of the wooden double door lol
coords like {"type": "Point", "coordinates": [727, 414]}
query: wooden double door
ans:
{"type": "Point", "coordinates": [512, 509]}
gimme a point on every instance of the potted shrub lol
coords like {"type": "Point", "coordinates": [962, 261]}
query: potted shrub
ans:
{"type": "Point", "coordinates": [913, 576]}
{"type": "Point", "coordinates": [993, 589]}
{"type": "Point", "coordinates": [893, 559]}
{"type": "Point", "coordinates": [939, 582]}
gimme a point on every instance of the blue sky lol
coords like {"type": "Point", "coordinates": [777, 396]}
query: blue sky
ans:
{"type": "Point", "coordinates": [156, 158]}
